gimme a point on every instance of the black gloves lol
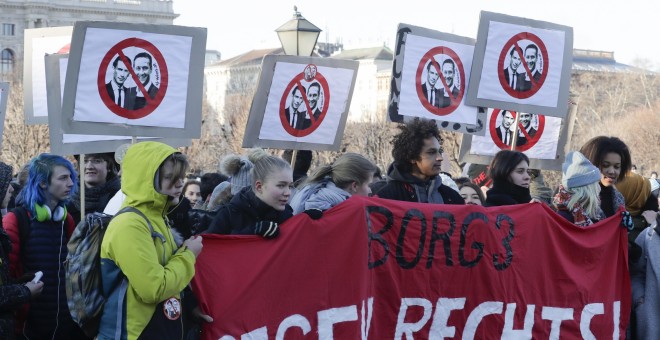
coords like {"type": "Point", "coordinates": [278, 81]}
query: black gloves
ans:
{"type": "Point", "coordinates": [627, 221]}
{"type": "Point", "coordinates": [314, 214]}
{"type": "Point", "coordinates": [199, 220]}
{"type": "Point", "coordinates": [267, 229]}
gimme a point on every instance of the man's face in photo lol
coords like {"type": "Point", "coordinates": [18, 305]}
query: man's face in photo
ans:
{"type": "Point", "coordinates": [313, 96]}
{"type": "Point", "coordinates": [142, 69]}
{"type": "Point", "coordinates": [526, 120]}
{"type": "Point", "coordinates": [530, 58]}
{"type": "Point", "coordinates": [432, 76]}
{"type": "Point", "coordinates": [448, 73]}
{"type": "Point", "coordinates": [507, 120]}
{"type": "Point", "coordinates": [515, 60]}
{"type": "Point", "coordinates": [297, 99]}
{"type": "Point", "coordinates": [120, 73]}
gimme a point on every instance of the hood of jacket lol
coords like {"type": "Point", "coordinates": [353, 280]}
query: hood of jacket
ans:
{"type": "Point", "coordinates": [139, 169]}
{"type": "Point", "coordinates": [322, 195]}
{"type": "Point", "coordinates": [394, 173]}
{"type": "Point", "coordinates": [427, 191]}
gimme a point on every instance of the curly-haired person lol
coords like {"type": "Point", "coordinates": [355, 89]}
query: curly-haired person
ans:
{"type": "Point", "coordinates": [414, 174]}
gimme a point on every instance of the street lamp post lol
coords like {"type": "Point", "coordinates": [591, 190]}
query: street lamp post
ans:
{"type": "Point", "coordinates": [298, 37]}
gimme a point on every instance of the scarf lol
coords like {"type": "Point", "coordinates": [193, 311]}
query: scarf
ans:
{"type": "Point", "coordinates": [580, 218]}
{"type": "Point", "coordinates": [97, 198]}
{"type": "Point", "coordinates": [610, 200]}
{"type": "Point", "coordinates": [507, 193]}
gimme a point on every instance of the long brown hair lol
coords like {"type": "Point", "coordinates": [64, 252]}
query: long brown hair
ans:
{"type": "Point", "coordinates": [348, 168]}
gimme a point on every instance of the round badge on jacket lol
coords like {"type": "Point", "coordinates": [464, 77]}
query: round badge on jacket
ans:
{"type": "Point", "coordinates": [172, 308]}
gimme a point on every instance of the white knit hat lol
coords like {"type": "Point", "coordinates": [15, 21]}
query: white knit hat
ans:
{"type": "Point", "coordinates": [578, 171]}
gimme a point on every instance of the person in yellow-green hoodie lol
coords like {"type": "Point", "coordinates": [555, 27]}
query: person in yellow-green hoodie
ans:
{"type": "Point", "coordinates": [143, 271]}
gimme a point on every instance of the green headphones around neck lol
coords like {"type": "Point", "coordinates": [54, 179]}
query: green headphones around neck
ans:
{"type": "Point", "coordinates": [44, 214]}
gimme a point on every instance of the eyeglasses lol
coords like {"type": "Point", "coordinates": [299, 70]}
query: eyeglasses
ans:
{"type": "Point", "coordinates": [95, 161]}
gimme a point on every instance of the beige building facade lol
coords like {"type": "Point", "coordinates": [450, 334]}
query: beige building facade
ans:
{"type": "Point", "coordinates": [228, 79]}
{"type": "Point", "coordinates": [18, 15]}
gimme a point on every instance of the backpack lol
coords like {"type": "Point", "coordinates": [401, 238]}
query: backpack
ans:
{"type": "Point", "coordinates": [84, 290]}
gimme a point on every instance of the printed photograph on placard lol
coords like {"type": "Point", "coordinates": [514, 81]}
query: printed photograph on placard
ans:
{"type": "Point", "coordinates": [521, 65]}
{"type": "Point", "coordinates": [140, 79]}
{"type": "Point", "coordinates": [301, 103]}
{"type": "Point", "coordinates": [430, 78]}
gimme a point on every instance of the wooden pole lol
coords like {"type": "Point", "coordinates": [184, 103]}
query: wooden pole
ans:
{"type": "Point", "coordinates": [514, 140]}
{"type": "Point", "coordinates": [294, 154]}
{"type": "Point", "coordinates": [81, 166]}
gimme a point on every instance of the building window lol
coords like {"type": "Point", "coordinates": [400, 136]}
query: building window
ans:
{"type": "Point", "coordinates": [7, 29]}
{"type": "Point", "coordinates": [6, 61]}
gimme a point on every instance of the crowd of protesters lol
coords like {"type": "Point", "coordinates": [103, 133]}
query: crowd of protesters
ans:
{"type": "Point", "coordinates": [253, 194]}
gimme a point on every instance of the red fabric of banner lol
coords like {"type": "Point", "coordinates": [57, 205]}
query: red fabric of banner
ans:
{"type": "Point", "coordinates": [381, 269]}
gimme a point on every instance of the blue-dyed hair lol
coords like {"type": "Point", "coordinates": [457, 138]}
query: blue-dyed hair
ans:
{"type": "Point", "coordinates": [41, 171]}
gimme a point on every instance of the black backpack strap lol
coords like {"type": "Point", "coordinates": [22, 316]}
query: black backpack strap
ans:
{"type": "Point", "coordinates": [154, 234]}
{"type": "Point", "coordinates": [24, 228]}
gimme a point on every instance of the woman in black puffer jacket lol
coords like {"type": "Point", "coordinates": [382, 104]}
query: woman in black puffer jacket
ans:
{"type": "Point", "coordinates": [259, 208]}
{"type": "Point", "coordinates": [509, 171]}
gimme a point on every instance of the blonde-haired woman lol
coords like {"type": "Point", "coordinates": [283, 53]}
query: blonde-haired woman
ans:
{"type": "Point", "coordinates": [578, 197]}
{"type": "Point", "coordinates": [332, 184]}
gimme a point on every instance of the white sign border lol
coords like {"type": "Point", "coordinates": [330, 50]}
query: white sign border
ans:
{"type": "Point", "coordinates": [563, 145]}
{"type": "Point", "coordinates": [561, 107]}
{"type": "Point", "coordinates": [258, 109]}
{"type": "Point", "coordinates": [57, 145]}
{"type": "Point", "coordinates": [193, 119]}
{"type": "Point", "coordinates": [29, 86]}
{"type": "Point", "coordinates": [395, 84]}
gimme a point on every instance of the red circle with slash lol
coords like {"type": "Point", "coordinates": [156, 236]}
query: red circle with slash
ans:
{"type": "Point", "coordinates": [531, 140]}
{"type": "Point", "coordinates": [454, 102]}
{"type": "Point", "coordinates": [513, 43]}
{"type": "Point", "coordinates": [315, 122]}
{"type": "Point", "coordinates": [152, 103]}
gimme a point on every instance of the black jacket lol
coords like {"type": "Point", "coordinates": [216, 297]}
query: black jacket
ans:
{"type": "Point", "coordinates": [405, 187]}
{"type": "Point", "coordinates": [242, 213]}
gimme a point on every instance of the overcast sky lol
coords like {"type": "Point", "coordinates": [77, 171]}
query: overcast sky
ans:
{"type": "Point", "coordinates": [628, 28]}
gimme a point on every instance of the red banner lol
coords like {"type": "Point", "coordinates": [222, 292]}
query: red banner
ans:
{"type": "Point", "coordinates": [380, 269]}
